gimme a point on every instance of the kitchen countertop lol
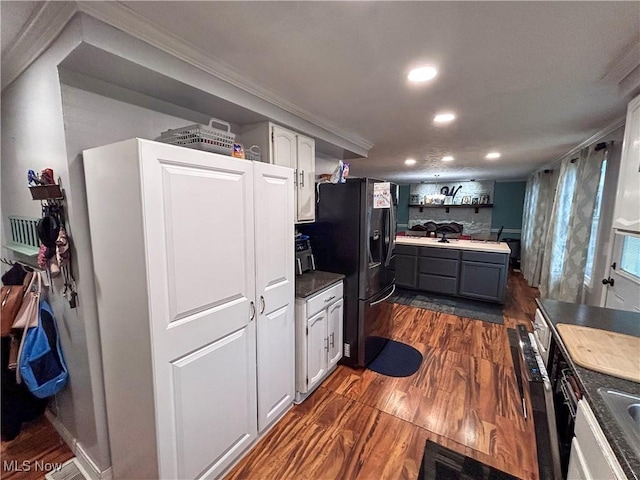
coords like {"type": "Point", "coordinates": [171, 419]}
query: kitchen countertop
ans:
{"type": "Point", "coordinates": [312, 282]}
{"type": "Point", "coordinates": [454, 243]}
{"type": "Point", "coordinates": [605, 319]}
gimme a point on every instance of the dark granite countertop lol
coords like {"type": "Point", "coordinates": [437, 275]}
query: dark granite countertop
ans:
{"type": "Point", "coordinates": [312, 282]}
{"type": "Point", "coordinates": [590, 381]}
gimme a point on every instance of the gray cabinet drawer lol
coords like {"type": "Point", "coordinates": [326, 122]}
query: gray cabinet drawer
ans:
{"type": "Point", "coordinates": [405, 250]}
{"type": "Point", "coordinates": [439, 252]}
{"type": "Point", "coordinates": [445, 267]}
{"type": "Point", "coordinates": [486, 257]}
{"type": "Point", "coordinates": [435, 283]}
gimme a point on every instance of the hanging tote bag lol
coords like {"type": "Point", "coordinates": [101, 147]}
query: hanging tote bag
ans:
{"type": "Point", "coordinates": [41, 364]}
{"type": "Point", "coordinates": [11, 299]}
{"type": "Point", "coordinates": [27, 315]}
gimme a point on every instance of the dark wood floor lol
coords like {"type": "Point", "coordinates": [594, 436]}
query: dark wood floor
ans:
{"type": "Point", "coordinates": [363, 425]}
{"type": "Point", "coordinates": [38, 442]}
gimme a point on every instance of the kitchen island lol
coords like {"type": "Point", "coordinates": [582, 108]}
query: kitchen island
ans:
{"type": "Point", "coordinates": [463, 268]}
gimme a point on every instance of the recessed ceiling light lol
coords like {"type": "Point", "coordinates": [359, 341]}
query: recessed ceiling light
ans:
{"type": "Point", "coordinates": [444, 117]}
{"type": "Point", "coordinates": [410, 161]}
{"type": "Point", "coordinates": [422, 74]}
{"type": "Point", "coordinates": [492, 155]}
{"type": "Point", "coordinates": [448, 158]}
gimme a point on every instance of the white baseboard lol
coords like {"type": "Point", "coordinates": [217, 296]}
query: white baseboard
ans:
{"type": "Point", "coordinates": [83, 458]}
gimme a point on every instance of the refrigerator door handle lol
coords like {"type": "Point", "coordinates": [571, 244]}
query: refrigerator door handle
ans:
{"type": "Point", "coordinates": [383, 299]}
{"type": "Point", "coordinates": [392, 235]}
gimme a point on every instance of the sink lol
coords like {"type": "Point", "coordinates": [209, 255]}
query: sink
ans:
{"type": "Point", "coordinates": [634, 411]}
{"type": "Point", "coordinates": [626, 412]}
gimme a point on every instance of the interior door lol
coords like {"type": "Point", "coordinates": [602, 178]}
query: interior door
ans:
{"type": "Point", "coordinates": [199, 232]}
{"type": "Point", "coordinates": [274, 290]}
{"type": "Point", "coordinates": [623, 284]}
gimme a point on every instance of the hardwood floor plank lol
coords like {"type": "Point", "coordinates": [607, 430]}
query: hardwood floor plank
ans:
{"type": "Point", "coordinates": [362, 425]}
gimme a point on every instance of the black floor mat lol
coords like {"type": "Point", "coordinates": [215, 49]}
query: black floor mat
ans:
{"type": "Point", "coordinates": [396, 359]}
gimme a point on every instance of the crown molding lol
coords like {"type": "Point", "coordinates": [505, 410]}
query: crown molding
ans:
{"type": "Point", "coordinates": [617, 123]}
{"type": "Point", "coordinates": [38, 33]}
{"type": "Point", "coordinates": [625, 64]}
{"type": "Point", "coordinates": [123, 18]}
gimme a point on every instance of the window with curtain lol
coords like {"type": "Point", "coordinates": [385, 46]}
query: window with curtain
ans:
{"type": "Point", "coordinates": [588, 269]}
{"type": "Point", "coordinates": [562, 220]}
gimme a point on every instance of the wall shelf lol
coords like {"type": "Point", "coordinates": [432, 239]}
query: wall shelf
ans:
{"type": "Point", "coordinates": [447, 207]}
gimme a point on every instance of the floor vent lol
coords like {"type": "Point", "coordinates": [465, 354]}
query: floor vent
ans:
{"type": "Point", "coordinates": [71, 470]}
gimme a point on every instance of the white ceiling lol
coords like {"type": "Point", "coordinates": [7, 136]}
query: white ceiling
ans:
{"type": "Point", "coordinates": [528, 79]}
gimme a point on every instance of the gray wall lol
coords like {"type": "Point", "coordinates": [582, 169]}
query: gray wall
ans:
{"type": "Point", "coordinates": [33, 137]}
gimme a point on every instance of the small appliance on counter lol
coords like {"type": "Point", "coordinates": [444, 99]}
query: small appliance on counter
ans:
{"type": "Point", "coordinates": [304, 256]}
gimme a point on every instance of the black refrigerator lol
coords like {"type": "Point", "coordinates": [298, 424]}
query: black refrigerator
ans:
{"type": "Point", "coordinates": [355, 235]}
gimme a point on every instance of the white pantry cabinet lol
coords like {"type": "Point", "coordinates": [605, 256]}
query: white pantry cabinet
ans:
{"type": "Point", "coordinates": [319, 340]}
{"type": "Point", "coordinates": [196, 321]}
{"type": "Point", "coordinates": [627, 208]}
{"type": "Point", "coordinates": [288, 149]}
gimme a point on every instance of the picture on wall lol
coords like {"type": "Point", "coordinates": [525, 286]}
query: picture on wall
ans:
{"type": "Point", "coordinates": [484, 199]}
{"type": "Point", "coordinates": [466, 200]}
{"type": "Point", "coordinates": [474, 201]}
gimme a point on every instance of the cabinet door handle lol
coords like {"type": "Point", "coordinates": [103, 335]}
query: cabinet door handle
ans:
{"type": "Point", "coordinates": [253, 311]}
{"type": "Point", "coordinates": [262, 304]}
{"type": "Point", "coordinates": [333, 336]}
{"type": "Point", "coordinates": [326, 343]}
{"type": "Point", "coordinates": [329, 299]}
{"type": "Point", "coordinates": [295, 177]}
{"type": "Point", "coordinates": [302, 179]}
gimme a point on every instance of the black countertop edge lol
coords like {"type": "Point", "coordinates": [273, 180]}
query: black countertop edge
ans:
{"type": "Point", "coordinates": [590, 381]}
{"type": "Point", "coordinates": [312, 282]}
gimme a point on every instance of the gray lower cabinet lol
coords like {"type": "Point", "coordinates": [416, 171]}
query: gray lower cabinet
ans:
{"type": "Point", "coordinates": [472, 274]}
{"type": "Point", "coordinates": [405, 264]}
{"type": "Point", "coordinates": [483, 276]}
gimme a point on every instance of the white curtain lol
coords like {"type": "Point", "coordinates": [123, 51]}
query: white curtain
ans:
{"type": "Point", "coordinates": [567, 242]}
{"type": "Point", "coordinates": [537, 208]}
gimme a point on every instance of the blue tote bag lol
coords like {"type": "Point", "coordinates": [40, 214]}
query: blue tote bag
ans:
{"type": "Point", "coordinates": [41, 364]}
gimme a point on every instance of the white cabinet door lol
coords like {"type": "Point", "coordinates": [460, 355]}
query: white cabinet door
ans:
{"type": "Point", "coordinates": [274, 290]}
{"type": "Point", "coordinates": [317, 346]}
{"type": "Point", "coordinates": [306, 210]}
{"type": "Point", "coordinates": [284, 147]}
{"type": "Point", "coordinates": [199, 233]}
{"type": "Point", "coordinates": [336, 312]}
{"type": "Point", "coordinates": [627, 210]}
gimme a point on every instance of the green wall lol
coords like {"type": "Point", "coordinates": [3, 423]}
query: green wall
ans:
{"type": "Point", "coordinates": [508, 204]}
{"type": "Point", "coordinates": [403, 207]}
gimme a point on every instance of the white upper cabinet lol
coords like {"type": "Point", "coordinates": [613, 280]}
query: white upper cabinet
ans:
{"type": "Point", "coordinates": [627, 209]}
{"type": "Point", "coordinates": [284, 147]}
{"type": "Point", "coordinates": [306, 201]}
